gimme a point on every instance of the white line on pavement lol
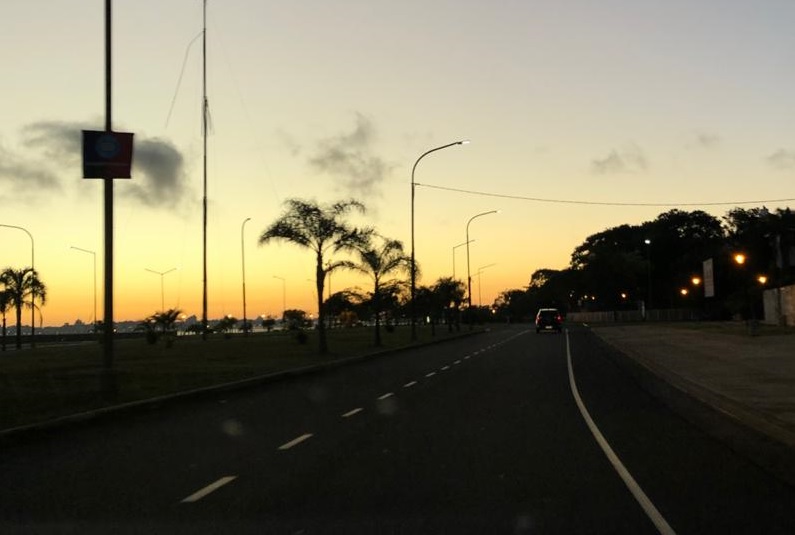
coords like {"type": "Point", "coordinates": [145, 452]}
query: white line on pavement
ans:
{"type": "Point", "coordinates": [198, 495]}
{"type": "Point", "coordinates": [467, 357]}
{"type": "Point", "coordinates": [430, 374]}
{"type": "Point", "coordinates": [295, 442]}
{"type": "Point", "coordinates": [351, 413]}
{"type": "Point", "coordinates": [457, 362]}
{"type": "Point", "coordinates": [648, 507]}
{"type": "Point", "coordinates": [387, 395]}
{"type": "Point", "coordinates": [445, 368]}
{"type": "Point", "coordinates": [409, 385]}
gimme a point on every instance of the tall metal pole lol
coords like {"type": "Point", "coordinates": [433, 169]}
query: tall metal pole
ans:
{"type": "Point", "coordinates": [413, 258]}
{"type": "Point", "coordinates": [162, 286]}
{"type": "Point", "coordinates": [204, 198]}
{"type": "Point", "coordinates": [243, 258]}
{"type": "Point", "coordinates": [108, 320]}
{"type": "Point", "coordinates": [33, 288]}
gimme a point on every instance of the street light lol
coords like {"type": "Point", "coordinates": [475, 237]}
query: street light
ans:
{"type": "Point", "coordinates": [413, 259]}
{"type": "Point", "coordinates": [284, 294]}
{"type": "Point", "coordinates": [33, 287]}
{"type": "Point", "coordinates": [454, 248]}
{"type": "Point", "coordinates": [94, 254]}
{"type": "Point", "coordinates": [162, 292]}
{"type": "Point", "coordinates": [243, 262]}
{"type": "Point", "coordinates": [480, 270]}
{"type": "Point", "coordinates": [469, 277]}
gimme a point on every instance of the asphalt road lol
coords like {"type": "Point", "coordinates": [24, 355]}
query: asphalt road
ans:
{"type": "Point", "coordinates": [482, 434]}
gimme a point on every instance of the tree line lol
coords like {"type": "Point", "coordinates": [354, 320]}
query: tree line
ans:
{"type": "Point", "coordinates": [659, 263]}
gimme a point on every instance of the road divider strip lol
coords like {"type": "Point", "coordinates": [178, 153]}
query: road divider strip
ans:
{"type": "Point", "coordinates": [212, 487]}
{"type": "Point", "coordinates": [295, 442]}
{"type": "Point", "coordinates": [643, 500]}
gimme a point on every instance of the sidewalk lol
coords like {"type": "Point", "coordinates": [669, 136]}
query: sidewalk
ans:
{"type": "Point", "coordinates": [749, 379]}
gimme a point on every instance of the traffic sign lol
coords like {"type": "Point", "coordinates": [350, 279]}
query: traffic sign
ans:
{"type": "Point", "coordinates": [107, 154]}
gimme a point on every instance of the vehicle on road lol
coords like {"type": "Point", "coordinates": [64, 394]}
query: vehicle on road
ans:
{"type": "Point", "coordinates": [549, 319]}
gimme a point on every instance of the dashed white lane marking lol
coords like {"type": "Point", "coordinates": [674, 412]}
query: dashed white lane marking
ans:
{"type": "Point", "coordinates": [648, 507]}
{"type": "Point", "coordinates": [212, 487]}
{"type": "Point", "coordinates": [445, 368]}
{"type": "Point", "coordinates": [430, 374]}
{"type": "Point", "coordinates": [295, 442]}
{"type": "Point", "coordinates": [409, 385]}
{"type": "Point", "coordinates": [457, 362]}
{"type": "Point", "coordinates": [387, 395]}
{"type": "Point", "coordinates": [352, 412]}
{"type": "Point", "coordinates": [467, 357]}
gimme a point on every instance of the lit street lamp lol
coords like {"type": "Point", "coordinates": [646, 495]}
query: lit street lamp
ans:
{"type": "Point", "coordinates": [413, 259]}
{"type": "Point", "coordinates": [469, 276]}
{"type": "Point", "coordinates": [162, 292]}
{"type": "Point", "coordinates": [94, 254]}
{"type": "Point", "coordinates": [33, 288]}
{"type": "Point", "coordinates": [243, 262]}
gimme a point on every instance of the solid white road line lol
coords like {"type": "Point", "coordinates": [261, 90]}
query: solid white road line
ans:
{"type": "Point", "coordinates": [430, 374]}
{"type": "Point", "coordinates": [409, 385]}
{"type": "Point", "coordinates": [351, 413]}
{"type": "Point", "coordinates": [387, 395]}
{"type": "Point", "coordinates": [648, 507]}
{"type": "Point", "coordinates": [198, 495]}
{"type": "Point", "coordinates": [295, 442]}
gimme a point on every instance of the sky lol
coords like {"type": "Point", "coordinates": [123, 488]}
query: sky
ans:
{"type": "Point", "coordinates": [657, 105]}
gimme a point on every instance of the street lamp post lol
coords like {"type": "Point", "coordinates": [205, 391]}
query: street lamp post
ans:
{"type": "Point", "coordinates": [413, 258]}
{"type": "Point", "coordinates": [454, 248]}
{"type": "Point", "coordinates": [481, 269]}
{"type": "Point", "coordinates": [469, 276]}
{"type": "Point", "coordinates": [94, 254]}
{"type": "Point", "coordinates": [33, 287]}
{"type": "Point", "coordinates": [648, 275]}
{"type": "Point", "coordinates": [162, 292]}
{"type": "Point", "coordinates": [243, 262]}
{"type": "Point", "coordinates": [284, 294]}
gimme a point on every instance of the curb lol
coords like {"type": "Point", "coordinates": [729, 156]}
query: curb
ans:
{"type": "Point", "coordinates": [81, 418]}
{"type": "Point", "coordinates": [765, 441]}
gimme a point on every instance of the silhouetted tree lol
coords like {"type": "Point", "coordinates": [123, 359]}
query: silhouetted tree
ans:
{"type": "Point", "coordinates": [21, 284]}
{"type": "Point", "coordinates": [323, 230]}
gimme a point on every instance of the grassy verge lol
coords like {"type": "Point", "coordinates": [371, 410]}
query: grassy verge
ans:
{"type": "Point", "coordinates": [56, 380]}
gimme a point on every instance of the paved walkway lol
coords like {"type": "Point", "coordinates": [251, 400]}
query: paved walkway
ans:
{"type": "Point", "coordinates": [750, 378]}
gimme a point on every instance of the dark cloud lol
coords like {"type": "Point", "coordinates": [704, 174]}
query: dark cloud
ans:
{"type": "Point", "coordinates": [349, 160]}
{"type": "Point", "coordinates": [707, 141]}
{"type": "Point", "coordinates": [783, 160]}
{"type": "Point", "coordinates": [25, 176]}
{"type": "Point", "coordinates": [158, 171]}
{"type": "Point", "coordinates": [158, 166]}
{"type": "Point", "coordinates": [628, 160]}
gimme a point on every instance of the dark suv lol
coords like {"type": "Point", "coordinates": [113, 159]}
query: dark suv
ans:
{"type": "Point", "coordinates": [549, 319]}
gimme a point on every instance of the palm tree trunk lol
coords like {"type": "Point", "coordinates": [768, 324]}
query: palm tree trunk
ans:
{"type": "Point", "coordinates": [19, 326]}
{"type": "Point", "coordinates": [377, 311]}
{"type": "Point", "coordinates": [320, 276]}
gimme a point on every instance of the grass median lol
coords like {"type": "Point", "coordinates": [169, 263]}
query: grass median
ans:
{"type": "Point", "coordinates": [56, 380]}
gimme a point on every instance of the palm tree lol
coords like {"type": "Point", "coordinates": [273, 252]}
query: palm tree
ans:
{"type": "Point", "coordinates": [5, 305]}
{"type": "Point", "coordinates": [449, 294]}
{"type": "Point", "coordinates": [379, 262]}
{"type": "Point", "coordinates": [20, 284]}
{"type": "Point", "coordinates": [321, 229]}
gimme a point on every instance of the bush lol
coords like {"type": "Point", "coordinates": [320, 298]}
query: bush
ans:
{"type": "Point", "coordinates": [301, 337]}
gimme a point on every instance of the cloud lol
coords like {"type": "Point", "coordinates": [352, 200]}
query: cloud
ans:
{"type": "Point", "coordinates": [158, 171]}
{"type": "Point", "coordinates": [628, 160]}
{"type": "Point", "coordinates": [705, 140]}
{"type": "Point", "coordinates": [783, 160]}
{"type": "Point", "coordinates": [25, 176]}
{"type": "Point", "coordinates": [158, 166]}
{"type": "Point", "coordinates": [349, 159]}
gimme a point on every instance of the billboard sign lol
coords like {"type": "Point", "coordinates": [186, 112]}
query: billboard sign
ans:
{"type": "Point", "coordinates": [107, 154]}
